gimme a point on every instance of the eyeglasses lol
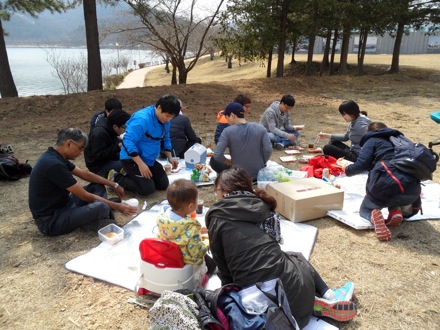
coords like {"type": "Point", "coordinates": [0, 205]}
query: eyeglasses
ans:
{"type": "Point", "coordinates": [80, 147]}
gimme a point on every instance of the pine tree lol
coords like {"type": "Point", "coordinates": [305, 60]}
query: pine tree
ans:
{"type": "Point", "coordinates": [7, 8]}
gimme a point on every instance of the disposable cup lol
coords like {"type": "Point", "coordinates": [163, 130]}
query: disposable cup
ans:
{"type": "Point", "coordinates": [167, 168]}
{"type": "Point", "coordinates": [199, 209]}
{"type": "Point", "coordinates": [132, 202]}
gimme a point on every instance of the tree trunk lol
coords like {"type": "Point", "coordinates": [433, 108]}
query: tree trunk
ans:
{"type": "Point", "coordinates": [309, 66]}
{"type": "Point", "coordinates": [325, 60]}
{"type": "Point", "coordinates": [167, 64]}
{"type": "Point", "coordinates": [331, 68]}
{"type": "Point", "coordinates": [269, 64]}
{"type": "Point", "coordinates": [183, 75]}
{"type": "Point", "coordinates": [7, 85]}
{"type": "Point", "coordinates": [229, 59]}
{"type": "Point", "coordinates": [344, 50]}
{"type": "Point", "coordinates": [363, 35]}
{"type": "Point", "coordinates": [282, 38]}
{"type": "Point", "coordinates": [94, 70]}
{"type": "Point", "coordinates": [396, 51]}
{"type": "Point", "coordinates": [174, 74]}
{"type": "Point", "coordinates": [294, 44]}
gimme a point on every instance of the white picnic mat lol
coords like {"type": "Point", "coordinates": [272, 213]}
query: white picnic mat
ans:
{"type": "Point", "coordinates": [354, 192]}
{"type": "Point", "coordinates": [118, 264]}
{"type": "Point", "coordinates": [184, 173]}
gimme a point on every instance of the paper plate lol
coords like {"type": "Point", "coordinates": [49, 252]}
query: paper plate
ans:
{"type": "Point", "coordinates": [315, 150]}
{"type": "Point", "coordinates": [177, 169]}
{"type": "Point", "coordinates": [292, 151]}
{"type": "Point", "coordinates": [287, 159]}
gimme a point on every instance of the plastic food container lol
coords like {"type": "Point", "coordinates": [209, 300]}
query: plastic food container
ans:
{"type": "Point", "coordinates": [111, 234]}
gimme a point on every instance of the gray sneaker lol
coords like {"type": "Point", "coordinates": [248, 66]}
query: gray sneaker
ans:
{"type": "Point", "coordinates": [278, 146]}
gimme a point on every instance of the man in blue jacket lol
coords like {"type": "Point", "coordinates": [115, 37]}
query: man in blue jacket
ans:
{"type": "Point", "coordinates": [141, 146]}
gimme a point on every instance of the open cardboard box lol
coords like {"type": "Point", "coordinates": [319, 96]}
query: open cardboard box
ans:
{"type": "Point", "coordinates": [305, 199]}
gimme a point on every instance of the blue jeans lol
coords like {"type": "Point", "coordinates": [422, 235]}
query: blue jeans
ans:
{"type": "Point", "coordinates": [369, 205]}
{"type": "Point", "coordinates": [76, 213]}
{"type": "Point", "coordinates": [284, 141]}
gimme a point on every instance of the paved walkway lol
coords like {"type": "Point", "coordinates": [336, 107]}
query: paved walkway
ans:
{"type": "Point", "coordinates": [135, 78]}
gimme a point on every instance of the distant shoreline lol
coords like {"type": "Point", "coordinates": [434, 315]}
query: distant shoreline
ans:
{"type": "Point", "coordinates": [44, 46]}
{"type": "Point", "coordinates": [72, 47]}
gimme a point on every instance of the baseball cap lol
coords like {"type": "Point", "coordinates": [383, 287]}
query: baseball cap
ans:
{"type": "Point", "coordinates": [235, 108]}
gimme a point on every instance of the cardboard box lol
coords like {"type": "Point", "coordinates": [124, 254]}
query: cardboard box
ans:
{"type": "Point", "coordinates": [305, 199]}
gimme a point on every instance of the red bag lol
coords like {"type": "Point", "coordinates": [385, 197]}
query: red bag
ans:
{"type": "Point", "coordinates": [324, 161]}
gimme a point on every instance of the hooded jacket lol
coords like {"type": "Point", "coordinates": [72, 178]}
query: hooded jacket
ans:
{"type": "Point", "coordinates": [274, 120]}
{"type": "Point", "coordinates": [245, 254]}
{"type": "Point", "coordinates": [384, 179]}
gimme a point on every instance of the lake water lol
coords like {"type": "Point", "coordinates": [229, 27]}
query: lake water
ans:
{"type": "Point", "coordinates": [33, 75]}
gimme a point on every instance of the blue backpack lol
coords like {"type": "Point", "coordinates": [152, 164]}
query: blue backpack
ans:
{"type": "Point", "coordinates": [413, 158]}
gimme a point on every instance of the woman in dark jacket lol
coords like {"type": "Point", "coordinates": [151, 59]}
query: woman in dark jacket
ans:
{"type": "Point", "coordinates": [386, 185]}
{"type": "Point", "coordinates": [245, 254]}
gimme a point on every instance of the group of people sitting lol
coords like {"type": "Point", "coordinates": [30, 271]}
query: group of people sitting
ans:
{"type": "Point", "coordinates": [130, 163]}
{"type": "Point", "coordinates": [243, 227]}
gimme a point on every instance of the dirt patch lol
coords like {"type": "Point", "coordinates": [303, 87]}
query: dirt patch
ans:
{"type": "Point", "coordinates": [397, 283]}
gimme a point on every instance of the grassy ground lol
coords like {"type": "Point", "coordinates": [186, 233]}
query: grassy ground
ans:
{"type": "Point", "coordinates": [209, 71]}
{"type": "Point", "coordinates": [397, 282]}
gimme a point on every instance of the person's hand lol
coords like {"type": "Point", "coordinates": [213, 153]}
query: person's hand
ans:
{"type": "Point", "coordinates": [322, 135]}
{"type": "Point", "coordinates": [228, 162]}
{"type": "Point", "coordinates": [291, 137]}
{"type": "Point", "coordinates": [120, 191]}
{"type": "Point", "coordinates": [342, 163]}
{"type": "Point", "coordinates": [145, 171]}
{"type": "Point", "coordinates": [174, 163]}
{"type": "Point", "coordinates": [126, 209]}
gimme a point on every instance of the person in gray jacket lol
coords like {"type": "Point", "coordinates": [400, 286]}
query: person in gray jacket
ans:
{"type": "Point", "coordinates": [248, 143]}
{"type": "Point", "coordinates": [357, 128]}
{"type": "Point", "coordinates": [243, 245]}
{"type": "Point", "coordinates": [276, 120]}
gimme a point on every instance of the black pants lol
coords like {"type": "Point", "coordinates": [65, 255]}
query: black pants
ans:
{"type": "Point", "coordinates": [320, 286]}
{"type": "Point", "coordinates": [133, 180]}
{"type": "Point", "coordinates": [338, 149]}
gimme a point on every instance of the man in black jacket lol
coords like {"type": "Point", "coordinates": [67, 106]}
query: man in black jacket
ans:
{"type": "Point", "coordinates": [102, 151]}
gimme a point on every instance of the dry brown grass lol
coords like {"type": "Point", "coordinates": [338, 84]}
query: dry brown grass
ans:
{"type": "Point", "coordinates": [397, 283]}
{"type": "Point", "coordinates": [216, 70]}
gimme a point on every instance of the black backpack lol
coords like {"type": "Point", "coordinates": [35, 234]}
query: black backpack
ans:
{"type": "Point", "coordinates": [413, 158]}
{"type": "Point", "coordinates": [11, 169]}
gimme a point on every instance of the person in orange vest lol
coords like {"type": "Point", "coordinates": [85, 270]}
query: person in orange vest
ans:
{"type": "Point", "coordinates": [222, 121]}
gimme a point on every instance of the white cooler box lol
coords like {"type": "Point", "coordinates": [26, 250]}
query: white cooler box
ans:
{"type": "Point", "coordinates": [195, 155]}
